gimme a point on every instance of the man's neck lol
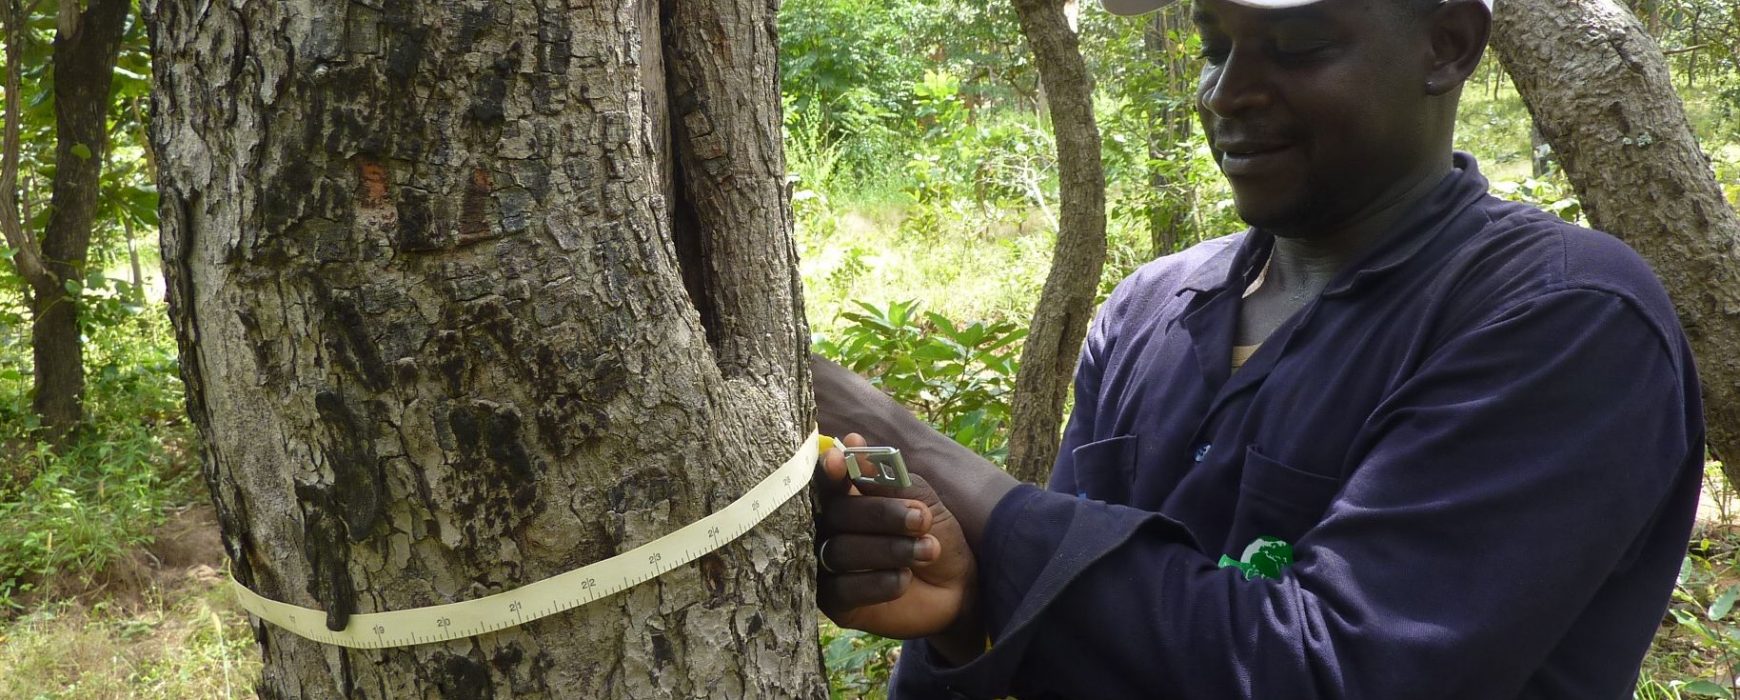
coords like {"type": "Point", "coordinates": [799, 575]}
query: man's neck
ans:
{"type": "Point", "coordinates": [1305, 264]}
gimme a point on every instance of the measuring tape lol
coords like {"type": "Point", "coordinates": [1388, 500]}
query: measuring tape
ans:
{"type": "Point", "coordinates": [588, 583]}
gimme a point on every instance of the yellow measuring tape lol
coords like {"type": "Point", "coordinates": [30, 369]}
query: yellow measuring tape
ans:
{"type": "Point", "coordinates": [588, 583]}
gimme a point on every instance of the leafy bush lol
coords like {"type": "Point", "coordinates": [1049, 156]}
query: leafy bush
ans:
{"type": "Point", "coordinates": [71, 513]}
{"type": "Point", "coordinates": [958, 378]}
{"type": "Point", "coordinates": [859, 663]}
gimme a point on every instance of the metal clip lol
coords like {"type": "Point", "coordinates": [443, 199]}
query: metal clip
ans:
{"type": "Point", "coordinates": [890, 467]}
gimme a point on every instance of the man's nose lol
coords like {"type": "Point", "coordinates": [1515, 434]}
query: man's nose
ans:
{"type": "Point", "coordinates": [1239, 84]}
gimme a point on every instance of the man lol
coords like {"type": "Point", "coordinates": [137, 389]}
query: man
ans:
{"type": "Point", "coordinates": [1476, 427]}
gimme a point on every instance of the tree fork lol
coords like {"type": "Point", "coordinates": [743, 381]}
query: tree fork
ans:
{"type": "Point", "coordinates": [1599, 88]}
{"type": "Point", "coordinates": [428, 265]}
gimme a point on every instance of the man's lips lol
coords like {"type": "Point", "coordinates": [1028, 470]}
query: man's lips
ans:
{"type": "Point", "coordinates": [1251, 157]}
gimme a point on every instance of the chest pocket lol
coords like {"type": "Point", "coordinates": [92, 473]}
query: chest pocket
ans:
{"type": "Point", "coordinates": [1276, 500]}
{"type": "Point", "coordinates": [1104, 469]}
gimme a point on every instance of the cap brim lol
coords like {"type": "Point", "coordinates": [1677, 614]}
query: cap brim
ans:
{"type": "Point", "coordinates": [1130, 8]}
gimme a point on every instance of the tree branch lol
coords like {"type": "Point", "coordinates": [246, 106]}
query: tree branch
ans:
{"type": "Point", "coordinates": [27, 255]}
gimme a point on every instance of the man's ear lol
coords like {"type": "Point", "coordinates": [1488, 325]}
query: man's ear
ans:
{"type": "Point", "coordinates": [1458, 30]}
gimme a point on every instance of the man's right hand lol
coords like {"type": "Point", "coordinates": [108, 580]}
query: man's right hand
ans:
{"type": "Point", "coordinates": [893, 560]}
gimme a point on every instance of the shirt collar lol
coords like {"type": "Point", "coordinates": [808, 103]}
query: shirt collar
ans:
{"type": "Point", "coordinates": [1238, 263]}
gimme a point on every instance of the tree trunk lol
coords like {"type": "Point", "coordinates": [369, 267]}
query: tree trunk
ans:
{"type": "Point", "coordinates": [472, 293]}
{"type": "Point", "coordinates": [85, 46]}
{"type": "Point", "coordinates": [1065, 305]}
{"type": "Point", "coordinates": [1599, 88]}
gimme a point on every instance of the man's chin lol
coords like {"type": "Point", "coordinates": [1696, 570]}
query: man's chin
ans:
{"type": "Point", "coordinates": [1266, 215]}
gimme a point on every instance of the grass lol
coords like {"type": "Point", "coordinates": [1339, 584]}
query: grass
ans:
{"type": "Point", "coordinates": [183, 642]}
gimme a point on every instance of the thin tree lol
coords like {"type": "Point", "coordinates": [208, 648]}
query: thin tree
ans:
{"type": "Point", "coordinates": [86, 44]}
{"type": "Point", "coordinates": [469, 294]}
{"type": "Point", "coordinates": [1601, 94]}
{"type": "Point", "coordinates": [1066, 303]}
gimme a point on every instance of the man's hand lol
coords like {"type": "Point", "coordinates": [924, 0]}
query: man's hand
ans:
{"type": "Point", "coordinates": [893, 560]}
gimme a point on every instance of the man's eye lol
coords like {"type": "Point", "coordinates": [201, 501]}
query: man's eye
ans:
{"type": "Point", "coordinates": [1299, 48]}
{"type": "Point", "coordinates": [1215, 55]}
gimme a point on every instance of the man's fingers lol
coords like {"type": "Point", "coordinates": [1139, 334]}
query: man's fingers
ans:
{"type": "Point", "coordinates": [841, 593]}
{"type": "Point", "coordinates": [851, 553]}
{"type": "Point", "coordinates": [877, 516]}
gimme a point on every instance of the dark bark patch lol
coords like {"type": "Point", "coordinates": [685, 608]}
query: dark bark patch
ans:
{"type": "Point", "coordinates": [496, 473]}
{"type": "Point", "coordinates": [662, 651]}
{"type": "Point", "coordinates": [640, 490]}
{"type": "Point", "coordinates": [357, 479]}
{"type": "Point", "coordinates": [463, 679]}
{"type": "Point", "coordinates": [713, 575]}
{"type": "Point", "coordinates": [407, 40]}
{"type": "Point", "coordinates": [417, 229]}
{"type": "Point", "coordinates": [490, 93]}
{"type": "Point", "coordinates": [328, 555]}
{"type": "Point", "coordinates": [347, 340]}
{"type": "Point", "coordinates": [507, 659]}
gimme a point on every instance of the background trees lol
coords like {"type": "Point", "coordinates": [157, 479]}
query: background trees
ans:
{"type": "Point", "coordinates": [50, 248]}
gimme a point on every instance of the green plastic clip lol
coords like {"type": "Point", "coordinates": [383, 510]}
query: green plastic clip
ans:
{"type": "Point", "coordinates": [1264, 557]}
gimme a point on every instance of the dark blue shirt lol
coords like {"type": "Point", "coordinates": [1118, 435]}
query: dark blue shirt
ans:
{"type": "Point", "coordinates": [1484, 441]}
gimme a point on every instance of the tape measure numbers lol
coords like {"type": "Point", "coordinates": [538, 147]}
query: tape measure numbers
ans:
{"type": "Point", "coordinates": [592, 582]}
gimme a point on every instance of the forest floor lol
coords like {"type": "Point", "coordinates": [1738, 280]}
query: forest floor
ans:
{"type": "Point", "coordinates": [155, 623]}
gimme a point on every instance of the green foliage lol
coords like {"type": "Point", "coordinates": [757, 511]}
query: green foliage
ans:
{"type": "Point", "coordinates": [857, 661]}
{"type": "Point", "coordinates": [958, 378]}
{"type": "Point", "coordinates": [71, 513]}
{"type": "Point", "coordinates": [1552, 195]}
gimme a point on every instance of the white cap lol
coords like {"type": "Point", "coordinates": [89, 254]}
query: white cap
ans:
{"type": "Point", "coordinates": [1136, 7]}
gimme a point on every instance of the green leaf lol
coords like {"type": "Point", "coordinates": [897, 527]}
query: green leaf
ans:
{"type": "Point", "coordinates": [82, 151]}
{"type": "Point", "coordinates": [1724, 603]}
{"type": "Point", "coordinates": [1707, 689]}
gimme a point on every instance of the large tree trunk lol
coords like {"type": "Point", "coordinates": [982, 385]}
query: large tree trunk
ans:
{"type": "Point", "coordinates": [85, 46]}
{"type": "Point", "coordinates": [473, 292]}
{"type": "Point", "coordinates": [1599, 89]}
{"type": "Point", "coordinates": [1065, 305]}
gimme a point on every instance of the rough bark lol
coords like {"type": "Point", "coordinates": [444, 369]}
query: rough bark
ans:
{"type": "Point", "coordinates": [1599, 89]}
{"type": "Point", "coordinates": [470, 293]}
{"type": "Point", "coordinates": [1066, 303]}
{"type": "Point", "coordinates": [85, 46]}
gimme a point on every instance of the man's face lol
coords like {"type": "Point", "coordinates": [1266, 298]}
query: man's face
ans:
{"type": "Point", "coordinates": [1315, 113]}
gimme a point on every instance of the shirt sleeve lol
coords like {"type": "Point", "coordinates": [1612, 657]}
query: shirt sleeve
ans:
{"type": "Point", "coordinates": [1492, 496]}
{"type": "Point", "coordinates": [915, 674]}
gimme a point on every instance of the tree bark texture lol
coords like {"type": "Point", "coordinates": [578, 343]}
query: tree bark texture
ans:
{"type": "Point", "coordinates": [85, 47]}
{"type": "Point", "coordinates": [471, 293]}
{"type": "Point", "coordinates": [1066, 303]}
{"type": "Point", "coordinates": [1600, 92]}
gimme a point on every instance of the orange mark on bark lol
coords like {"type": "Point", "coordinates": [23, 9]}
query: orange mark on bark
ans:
{"type": "Point", "coordinates": [373, 187]}
{"type": "Point", "coordinates": [474, 214]}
